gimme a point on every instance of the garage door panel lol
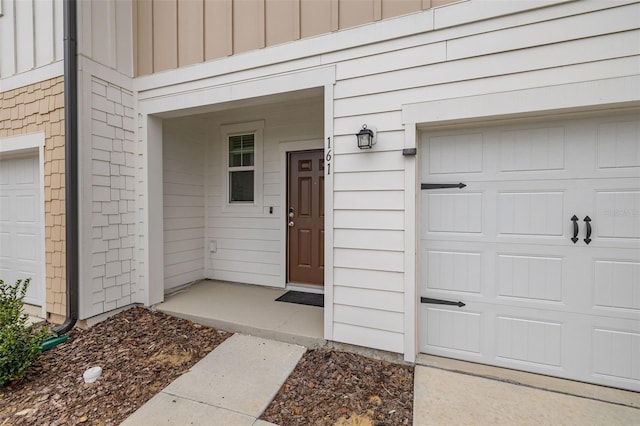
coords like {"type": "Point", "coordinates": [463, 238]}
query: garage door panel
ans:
{"type": "Point", "coordinates": [453, 271]}
{"type": "Point", "coordinates": [453, 330]}
{"type": "Point", "coordinates": [4, 207]}
{"type": "Point", "coordinates": [532, 341]}
{"type": "Point", "coordinates": [619, 144]}
{"type": "Point", "coordinates": [5, 244]}
{"type": "Point", "coordinates": [25, 171]}
{"type": "Point", "coordinates": [532, 149]}
{"type": "Point", "coordinates": [531, 213]}
{"type": "Point", "coordinates": [616, 354]}
{"type": "Point", "coordinates": [530, 277]}
{"type": "Point", "coordinates": [617, 214]}
{"type": "Point", "coordinates": [26, 246]}
{"type": "Point", "coordinates": [459, 153]}
{"type": "Point", "coordinates": [25, 208]}
{"type": "Point", "coordinates": [454, 212]}
{"type": "Point", "coordinates": [617, 285]}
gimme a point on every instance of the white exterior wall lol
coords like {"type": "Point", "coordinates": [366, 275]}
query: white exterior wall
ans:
{"type": "Point", "coordinates": [183, 163]}
{"type": "Point", "coordinates": [109, 175]}
{"type": "Point", "coordinates": [439, 54]}
{"type": "Point", "coordinates": [250, 245]}
{"type": "Point", "coordinates": [107, 158]}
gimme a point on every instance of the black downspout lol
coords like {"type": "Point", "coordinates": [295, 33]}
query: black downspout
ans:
{"type": "Point", "coordinates": [70, 164]}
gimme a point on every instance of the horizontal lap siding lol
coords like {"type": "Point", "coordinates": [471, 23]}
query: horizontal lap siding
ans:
{"type": "Point", "coordinates": [369, 185]}
{"type": "Point", "coordinates": [249, 244]}
{"type": "Point", "coordinates": [183, 199]}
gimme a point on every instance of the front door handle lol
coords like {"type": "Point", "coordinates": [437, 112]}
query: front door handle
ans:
{"type": "Point", "coordinates": [587, 222]}
{"type": "Point", "coordinates": [291, 224]}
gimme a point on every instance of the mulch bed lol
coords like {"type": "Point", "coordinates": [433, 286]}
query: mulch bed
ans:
{"type": "Point", "coordinates": [140, 353]}
{"type": "Point", "coordinates": [341, 388]}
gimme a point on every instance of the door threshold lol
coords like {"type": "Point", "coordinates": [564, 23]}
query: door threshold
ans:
{"type": "Point", "coordinates": [305, 288]}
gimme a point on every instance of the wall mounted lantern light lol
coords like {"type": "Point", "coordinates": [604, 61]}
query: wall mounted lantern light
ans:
{"type": "Point", "coordinates": [366, 138]}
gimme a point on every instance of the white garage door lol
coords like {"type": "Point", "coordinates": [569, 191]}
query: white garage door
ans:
{"type": "Point", "coordinates": [21, 250]}
{"type": "Point", "coordinates": [502, 245]}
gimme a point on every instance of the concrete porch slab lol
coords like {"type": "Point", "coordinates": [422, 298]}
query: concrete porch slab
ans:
{"type": "Point", "coordinates": [248, 309]}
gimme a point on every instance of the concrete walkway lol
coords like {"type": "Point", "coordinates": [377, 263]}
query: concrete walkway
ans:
{"type": "Point", "coordinates": [452, 398]}
{"type": "Point", "coordinates": [236, 382]}
{"type": "Point", "coordinates": [232, 385]}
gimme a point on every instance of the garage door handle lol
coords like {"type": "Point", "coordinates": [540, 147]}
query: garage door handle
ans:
{"type": "Point", "coordinates": [459, 185]}
{"type": "Point", "coordinates": [587, 221]}
{"type": "Point", "coordinates": [441, 302]}
{"type": "Point", "coordinates": [575, 219]}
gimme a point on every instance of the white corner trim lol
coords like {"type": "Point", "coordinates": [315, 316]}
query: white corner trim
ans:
{"type": "Point", "coordinates": [36, 75]}
{"type": "Point", "coordinates": [411, 276]}
{"type": "Point", "coordinates": [25, 142]}
{"type": "Point", "coordinates": [565, 98]}
{"type": "Point", "coordinates": [329, 145]}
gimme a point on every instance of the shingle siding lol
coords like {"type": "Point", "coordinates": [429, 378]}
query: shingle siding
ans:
{"type": "Point", "coordinates": [39, 107]}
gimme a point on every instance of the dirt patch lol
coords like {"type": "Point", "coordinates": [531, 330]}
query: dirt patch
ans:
{"type": "Point", "coordinates": [344, 389]}
{"type": "Point", "coordinates": [140, 353]}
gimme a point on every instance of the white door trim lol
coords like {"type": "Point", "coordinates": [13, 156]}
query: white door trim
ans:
{"type": "Point", "coordinates": [22, 144]}
{"type": "Point", "coordinates": [285, 148]}
{"type": "Point", "coordinates": [574, 99]}
{"type": "Point", "coordinates": [620, 92]}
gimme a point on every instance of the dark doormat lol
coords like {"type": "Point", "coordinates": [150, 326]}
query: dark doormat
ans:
{"type": "Point", "coordinates": [302, 298]}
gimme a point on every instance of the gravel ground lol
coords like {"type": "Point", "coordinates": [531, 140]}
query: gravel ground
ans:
{"type": "Point", "coordinates": [141, 352]}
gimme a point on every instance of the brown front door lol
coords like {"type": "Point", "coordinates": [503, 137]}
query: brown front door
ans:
{"type": "Point", "coordinates": [305, 217]}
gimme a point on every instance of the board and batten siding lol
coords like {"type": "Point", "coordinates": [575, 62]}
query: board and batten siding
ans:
{"type": "Point", "coordinates": [183, 149]}
{"type": "Point", "coordinates": [525, 51]}
{"type": "Point", "coordinates": [30, 35]}
{"type": "Point", "coordinates": [249, 244]}
{"type": "Point", "coordinates": [105, 33]}
{"type": "Point", "coordinates": [173, 33]}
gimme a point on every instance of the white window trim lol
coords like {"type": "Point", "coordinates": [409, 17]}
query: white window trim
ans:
{"type": "Point", "coordinates": [257, 128]}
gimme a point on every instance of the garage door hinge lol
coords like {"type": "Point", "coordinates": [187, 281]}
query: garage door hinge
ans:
{"type": "Point", "coordinates": [441, 302]}
{"type": "Point", "coordinates": [442, 185]}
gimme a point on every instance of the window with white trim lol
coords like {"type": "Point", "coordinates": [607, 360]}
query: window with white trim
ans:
{"type": "Point", "coordinates": [242, 156]}
{"type": "Point", "coordinates": [241, 168]}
